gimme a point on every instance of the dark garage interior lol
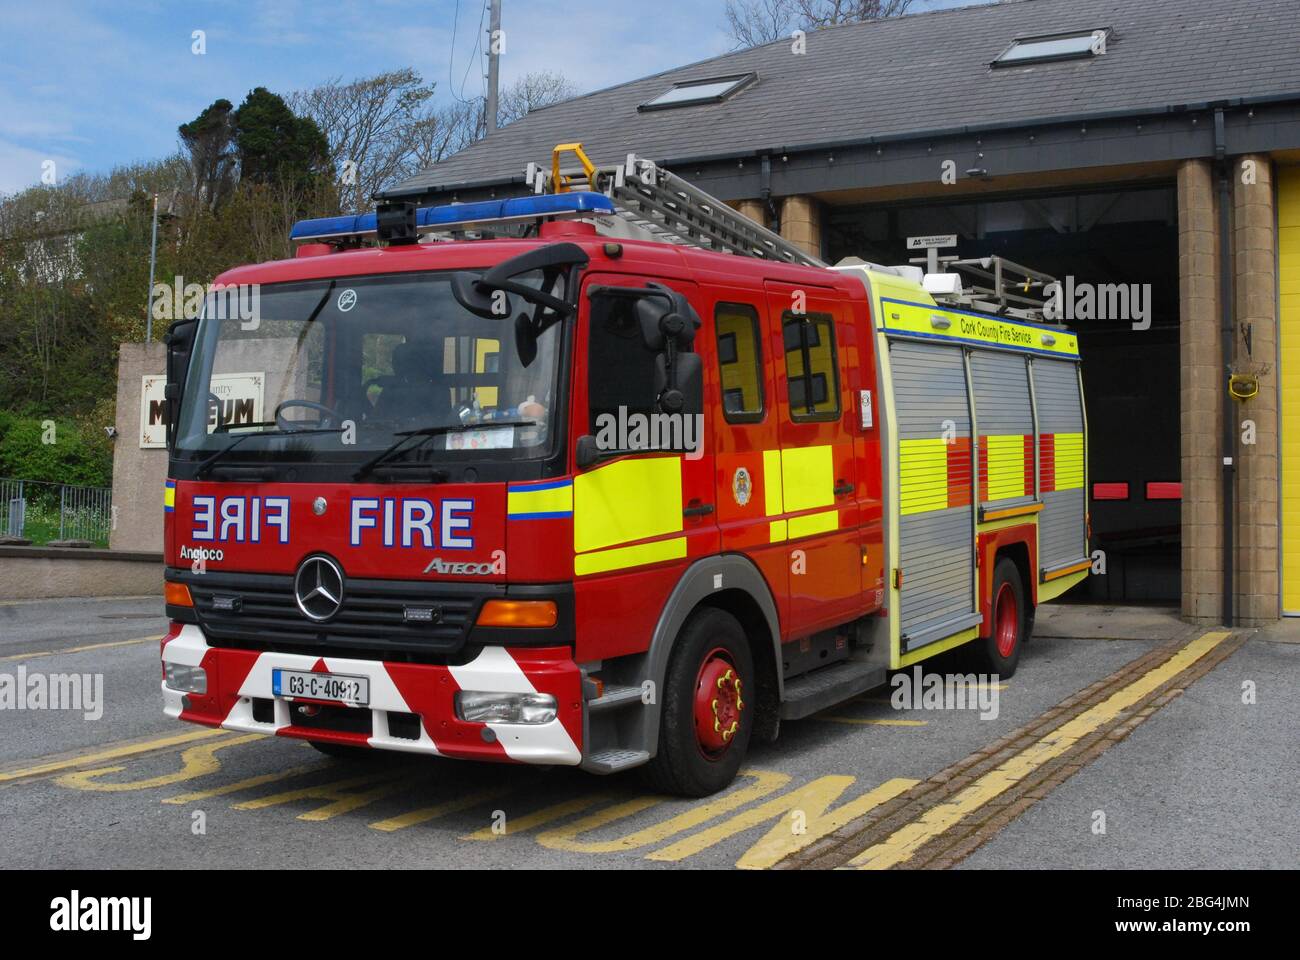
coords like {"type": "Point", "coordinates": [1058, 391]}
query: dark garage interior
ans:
{"type": "Point", "coordinates": [1119, 234]}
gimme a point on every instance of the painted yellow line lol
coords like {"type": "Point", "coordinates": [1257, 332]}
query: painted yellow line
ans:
{"type": "Point", "coordinates": [874, 723]}
{"type": "Point", "coordinates": [248, 784]}
{"type": "Point", "coordinates": [425, 814]}
{"type": "Point", "coordinates": [570, 837]}
{"type": "Point", "coordinates": [89, 646]}
{"type": "Point", "coordinates": [907, 840]}
{"type": "Point", "coordinates": [341, 794]}
{"type": "Point", "coordinates": [801, 817]}
{"type": "Point", "coordinates": [539, 818]}
{"type": "Point", "coordinates": [113, 753]}
{"type": "Point", "coordinates": [196, 762]}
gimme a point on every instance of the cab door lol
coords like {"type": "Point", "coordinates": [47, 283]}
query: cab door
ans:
{"type": "Point", "coordinates": [640, 515]}
{"type": "Point", "coordinates": [742, 372]}
{"type": "Point", "coordinates": [819, 516]}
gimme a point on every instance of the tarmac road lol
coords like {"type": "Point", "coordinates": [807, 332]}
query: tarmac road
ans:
{"type": "Point", "coordinates": [1206, 780]}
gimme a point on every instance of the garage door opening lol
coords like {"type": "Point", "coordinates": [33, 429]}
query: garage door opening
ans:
{"type": "Point", "coordinates": [1119, 235]}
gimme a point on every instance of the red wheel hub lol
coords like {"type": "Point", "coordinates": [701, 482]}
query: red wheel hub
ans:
{"type": "Point", "coordinates": [719, 701]}
{"type": "Point", "coordinates": [1006, 620]}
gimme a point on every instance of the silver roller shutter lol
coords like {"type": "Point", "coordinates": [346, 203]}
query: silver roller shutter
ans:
{"type": "Point", "coordinates": [935, 541]}
{"type": "Point", "coordinates": [1003, 410]}
{"type": "Point", "coordinates": [1062, 526]}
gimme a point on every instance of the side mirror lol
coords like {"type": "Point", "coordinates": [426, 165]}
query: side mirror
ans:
{"type": "Point", "coordinates": [686, 395]}
{"type": "Point", "coordinates": [180, 344]}
{"type": "Point", "coordinates": [666, 317]}
{"type": "Point", "coordinates": [482, 301]}
{"type": "Point", "coordinates": [586, 453]}
{"type": "Point", "coordinates": [475, 293]}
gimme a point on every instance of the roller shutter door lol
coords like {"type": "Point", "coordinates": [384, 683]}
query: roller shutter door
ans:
{"type": "Point", "coordinates": [1004, 418]}
{"type": "Point", "coordinates": [1062, 530]}
{"type": "Point", "coordinates": [936, 520]}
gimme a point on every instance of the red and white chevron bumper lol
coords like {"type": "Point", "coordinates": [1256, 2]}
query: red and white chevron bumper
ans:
{"type": "Point", "coordinates": [239, 686]}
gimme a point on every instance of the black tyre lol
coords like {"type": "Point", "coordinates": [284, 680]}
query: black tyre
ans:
{"type": "Point", "coordinates": [999, 653]}
{"type": "Point", "coordinates": [706, 717]}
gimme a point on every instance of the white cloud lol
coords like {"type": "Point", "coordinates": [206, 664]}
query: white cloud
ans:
{"type": "Point", "coordinates": [21, 167]}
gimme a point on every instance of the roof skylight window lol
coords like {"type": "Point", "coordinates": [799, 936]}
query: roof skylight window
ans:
{"type": "Point", "coordinates": [1060, 46]}
{"type": "Point", "coordinates": [687, 93]}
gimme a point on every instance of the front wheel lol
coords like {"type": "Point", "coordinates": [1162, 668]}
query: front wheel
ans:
{"type": "Point", "coordinates": [999, 653]}
{"type": "Point", "coordinates": [707, 715]}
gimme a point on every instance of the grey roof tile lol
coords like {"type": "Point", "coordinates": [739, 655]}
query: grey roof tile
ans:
{"type": "Point", "coordinates": [922, 72]}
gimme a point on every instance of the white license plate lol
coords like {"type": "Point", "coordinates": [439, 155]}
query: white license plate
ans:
{"type": "Point", "coordinates": [335, 687]}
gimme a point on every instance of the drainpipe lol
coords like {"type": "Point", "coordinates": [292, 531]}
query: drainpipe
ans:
{"type": "Point", "coordinates": [1226, 305]}
{"type": "Point", "coordinates": [765, 192]}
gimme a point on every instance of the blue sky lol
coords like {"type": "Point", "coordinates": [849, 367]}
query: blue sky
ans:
{"type": "Point", "coordinates": [91, 84]}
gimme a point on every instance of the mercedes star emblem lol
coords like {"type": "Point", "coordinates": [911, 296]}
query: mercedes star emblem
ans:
{"type": "Point", "coordinates": [318, 588]}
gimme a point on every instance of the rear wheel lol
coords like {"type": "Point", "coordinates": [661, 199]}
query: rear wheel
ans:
{"type": "Point", "coordinates": [999, 653]}
{"type": "Point", "coordinates": [707, 718]}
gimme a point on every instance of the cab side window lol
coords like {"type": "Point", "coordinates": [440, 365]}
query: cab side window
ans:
{"type": "Point", "coordinates": [811, 366]}
{"type": "Point", "coordinates": [621, 369]}
{"type": "Point", "coordinates": [740, 362]}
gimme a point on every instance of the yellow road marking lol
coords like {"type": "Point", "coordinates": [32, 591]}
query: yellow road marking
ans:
{"type": "Point", "coordinates": [801, 818]}
{"type": "Point", "coordinates": [90, 646]}
{"type": "Point", "coordinates": [874, 723]}
{"type": "Point", "coordinates": [908, 839]}
{"type": "Point", "coordinates": [195, 762]}
{"type": "Point", "coordinates": [425, 814]}
{"type": "Point", "coordinates": [566, 837]}
{"type": "Point", "coordinates": [540, 818]}
{"type": "Point", "coordinates": [344, 800]}
{"type": "Point", "coordinates": [113, 753]}
{"type": "Point", "coordinates": [247, 784]}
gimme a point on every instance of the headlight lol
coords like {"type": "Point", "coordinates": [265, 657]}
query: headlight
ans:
{"type": "Point", "coordinates": [185, 678]}
{"type": "Point", "coordinates": [505, 707]}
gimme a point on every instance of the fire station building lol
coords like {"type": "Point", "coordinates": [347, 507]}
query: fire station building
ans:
{"type": "Point", "coordinates": [1144, 152]}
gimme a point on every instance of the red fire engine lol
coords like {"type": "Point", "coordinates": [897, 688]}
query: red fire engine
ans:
{"type": "Point", "coordinates": [609, 477]}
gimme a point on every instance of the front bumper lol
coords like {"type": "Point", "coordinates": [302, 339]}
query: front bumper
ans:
{"type": "Point", "coordinates": [239, 697]}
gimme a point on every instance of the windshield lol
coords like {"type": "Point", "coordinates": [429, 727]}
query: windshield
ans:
{"type": "Point", "coordinates": [336, 370]}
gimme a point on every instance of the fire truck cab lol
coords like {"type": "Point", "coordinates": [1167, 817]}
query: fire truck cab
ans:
{"type": "Point", "coordinates": [577, 498]}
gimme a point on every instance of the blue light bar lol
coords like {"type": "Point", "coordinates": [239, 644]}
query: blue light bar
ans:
{"type": "Point", "coordinates": [460, 216]}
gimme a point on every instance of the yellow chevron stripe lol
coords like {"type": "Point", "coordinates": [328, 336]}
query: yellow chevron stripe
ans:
{"type": "Point", "coordinates": [922, 475]}
{"type": "Point", "coordinates": [636, 555]}
{"type": "Point", "coordinates": [1069, 461]}
{"type": "Point", "coordinates": [1006, 467]}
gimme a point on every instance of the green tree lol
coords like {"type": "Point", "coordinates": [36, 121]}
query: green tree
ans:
{"type": "Point", "coordinates": [275, 145]}
{"type": "Point", "coordinates": [209, 139]}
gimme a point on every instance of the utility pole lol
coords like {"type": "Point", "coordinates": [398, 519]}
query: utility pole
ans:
{"type": "Point", "coordinates": [494, 64]}
{"type": "Point", "coordinates": [153, 261]}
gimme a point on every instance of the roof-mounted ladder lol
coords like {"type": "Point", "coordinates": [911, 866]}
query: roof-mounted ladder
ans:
{"type": "Point", "coordinates": [1000, 286]}
{"type": "Point", "coordinates": [655, 204]}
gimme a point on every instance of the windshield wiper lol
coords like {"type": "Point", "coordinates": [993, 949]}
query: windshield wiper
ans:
{"type": "Point", "coordinates": [425, 434]}
{"type": "Point", "coordinates": [202, 469]}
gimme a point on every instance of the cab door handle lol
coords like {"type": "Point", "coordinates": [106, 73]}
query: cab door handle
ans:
{"type": "Point", "coordinates": [843, 488]}
{"type": "Point", "coordinates": [697, 509]}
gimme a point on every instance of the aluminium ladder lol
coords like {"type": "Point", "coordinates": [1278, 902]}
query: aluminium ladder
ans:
{"type": "Point", "coordinates": [652, 203]}
{"type": "Point", "coordinates": [655, 204]}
